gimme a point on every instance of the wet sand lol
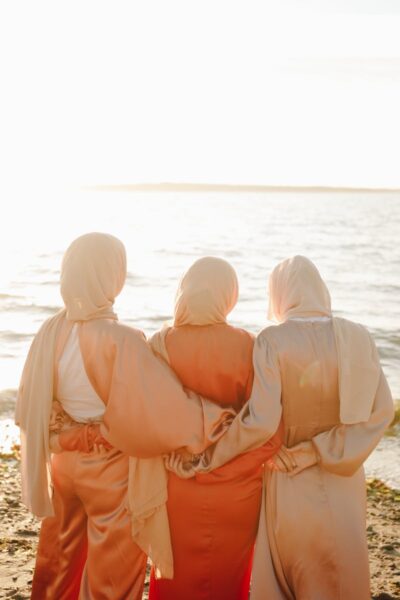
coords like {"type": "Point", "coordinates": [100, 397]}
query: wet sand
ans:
{"type": "Point", "coordinates": [19, 536]}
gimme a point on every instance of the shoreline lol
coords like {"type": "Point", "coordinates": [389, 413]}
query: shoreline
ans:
{"type": "Point", "coordinates": [233, 188]}
{"type": "Point", "coordinates": [19, 536]}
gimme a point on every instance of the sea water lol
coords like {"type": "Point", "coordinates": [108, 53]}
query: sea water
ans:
{"type": "Point", "coordinates": [354, 239]}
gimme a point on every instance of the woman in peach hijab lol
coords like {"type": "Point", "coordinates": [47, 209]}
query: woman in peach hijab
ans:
{"type": "Point", "coordinates": [86, 367]}
{"type": "Point", "coordinates": [213, 518]}
{"type": "Point", "coordinates": [323, 373]}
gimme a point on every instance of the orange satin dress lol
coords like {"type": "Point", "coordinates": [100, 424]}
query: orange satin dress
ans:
{"type": "Point", "coordinates": [214, 517]}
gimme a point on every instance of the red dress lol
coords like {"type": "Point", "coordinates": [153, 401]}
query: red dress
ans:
{"type": "Point", "coordinates": [214, 517]}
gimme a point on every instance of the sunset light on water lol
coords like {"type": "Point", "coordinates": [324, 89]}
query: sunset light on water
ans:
{"type": "Point", "coordinates": [252, 131]}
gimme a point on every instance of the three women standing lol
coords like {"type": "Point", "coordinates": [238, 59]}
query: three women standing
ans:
{"type": "Point", "coordinates": [320, 373]}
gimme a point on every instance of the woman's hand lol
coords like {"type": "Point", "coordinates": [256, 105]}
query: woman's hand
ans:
{"type": "Point", "coordinates": [294, 460]}
{"type": "Point", "coordinates": [176, 463]}
{"type": "Point", "coordinates": [281, 461]}
{"type": "Point", "coordinates": [97, 440]}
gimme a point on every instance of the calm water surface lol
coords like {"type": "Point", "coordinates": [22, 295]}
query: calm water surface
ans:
{"type": "Point", "coordinates": [353, 239]}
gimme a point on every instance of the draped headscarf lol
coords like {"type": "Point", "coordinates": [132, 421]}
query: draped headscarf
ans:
{"type": "Point", "coordinates": [296, 289]}
{"type": "Point", "coordinates": [207, 293]}
{"type": "Point", "coordinates": [92, 275]}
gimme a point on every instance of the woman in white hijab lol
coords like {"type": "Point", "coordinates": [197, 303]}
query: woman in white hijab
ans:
{"type": "Point", "coordinates": [323, 374]}
{"type": "Point", "coordinates": [104, 376]}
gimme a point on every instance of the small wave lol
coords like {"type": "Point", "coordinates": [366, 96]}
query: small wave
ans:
{"type": "Point", "coordinates": [385, 288]}
{"type": "Point", "coordinates": [386, 342]}
{"type": "Point", "coordinates": [393, 339]}
{"type": "Point", "coordinates": [51, 255]}
{"type": "Point", "coordinates": [144, 319]}
{"type": "Point", "coordinates": [157, 319]}
{"type": "Point", "coordinates": [31, 308]}
{"type": "Point", "coordinates": [7, 402]}
{"type": "Point", "coordinates": [44, 271]}
{"type": "Point", "coordinates": [22, 284]}
{"type": "Point", "coordinates": [10, 297]}
{"type": "Point", "coordinates": [12, 336]}
{"type": "Point", "coordinates": [138, 279]}
{"type": "Point", "coordinates": [178, 252]}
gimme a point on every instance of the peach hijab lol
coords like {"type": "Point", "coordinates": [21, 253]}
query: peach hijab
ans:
{"type": "Point", "coordinates": [93, 273]}
{"type": "Point", "coordinates": [206, 294]}
{"type": "Point", "coordinates": [296, 289]}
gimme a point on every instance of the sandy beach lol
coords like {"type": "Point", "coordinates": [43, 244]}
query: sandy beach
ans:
{"type": "Point", "coordinates": [19, 535]}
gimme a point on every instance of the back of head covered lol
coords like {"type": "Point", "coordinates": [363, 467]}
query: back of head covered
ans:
{"type": "Point", "coordinates": [296, 289]}
{"type": "Point", "coordinates": [93, 273]}
{"type": "Point", "coordinates": [207, 293]}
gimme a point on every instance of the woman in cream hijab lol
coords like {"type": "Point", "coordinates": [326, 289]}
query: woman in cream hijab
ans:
{"type": "Point", "coordinates": [85, 367]}
{"type": "Point", "coordinates": [323, 374]}
{"type": "Point", "coordinates": [213, 518]}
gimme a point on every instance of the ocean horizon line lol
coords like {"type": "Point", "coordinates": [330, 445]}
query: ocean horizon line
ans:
{"type": "Point", "coordinates": [224, 187]}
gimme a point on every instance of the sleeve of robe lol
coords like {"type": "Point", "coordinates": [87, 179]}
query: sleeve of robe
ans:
{"type": "Point", "coordinates": [259, 418]}
{"type": "Point", "coordinates": [343, 449]}
{"type": "Point", "coordinates": [148, 412]}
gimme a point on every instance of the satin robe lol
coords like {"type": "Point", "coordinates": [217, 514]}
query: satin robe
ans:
{"type": "Point", "coordinates": [87, 550]}
{"type": "Point", "coordinates": [213, 518]}
{"type": "Point", "coordinates": [312, 543]}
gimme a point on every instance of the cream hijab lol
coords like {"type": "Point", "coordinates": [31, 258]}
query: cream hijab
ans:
{"type": "Point", "coordinates": [207, 293]}
{"type": "Point", "coordinates": [92, 274]}
{"type": "Point", "coordinates": [296, 289]}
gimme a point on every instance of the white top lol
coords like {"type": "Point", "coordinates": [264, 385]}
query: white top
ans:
{"type": "Point", "coordinates": [74, 390]}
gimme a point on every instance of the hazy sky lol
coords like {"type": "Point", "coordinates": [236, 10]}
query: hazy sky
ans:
{"type": "Point", "coordinates": [336, 6]}
{"type": "Point", "coordinates": [287, 92]}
